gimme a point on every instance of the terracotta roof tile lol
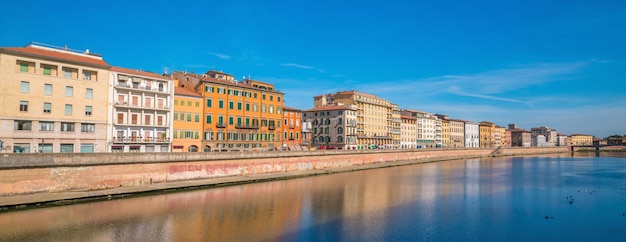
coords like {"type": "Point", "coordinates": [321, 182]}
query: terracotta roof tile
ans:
{"type": "Point", "coordinates": [183, 91]}
{"type": "Point", "coordinates": [291, 109]}
{"type": "Point", "coordinates": [59, 55]}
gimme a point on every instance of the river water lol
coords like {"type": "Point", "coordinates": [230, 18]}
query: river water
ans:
{"type": "Point", "coordinates": [550, 198]}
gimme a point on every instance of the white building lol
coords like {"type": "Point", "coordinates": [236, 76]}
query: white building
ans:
{"type": "Point", "coordinates": [141, 107]}
{"type": "Point", "coordinates": [550, 134]}
{"type": "Point", "coordinates": [472, 135]}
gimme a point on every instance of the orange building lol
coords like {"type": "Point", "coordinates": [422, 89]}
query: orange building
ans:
{"type": "Point", "coordinates": [238, 116]}
{"type": "Point", "coordinates": [292, 134]}
{"type": "Point", "coordinates": [188, 121]}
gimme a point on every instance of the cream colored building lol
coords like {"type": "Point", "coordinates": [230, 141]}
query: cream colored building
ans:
{"type": "Point", "coordinates": [141, 111]}
{"type": "Point", "coordinates": [375, 117]}
{"type": "Point", "coordinates": [500, 136]}
{"type": "Point", "coordinates": [53, 100]}
{"type": "Point", "coordinates": [581, 139]}
{"type": "Point", "coordinates": [408, 129]}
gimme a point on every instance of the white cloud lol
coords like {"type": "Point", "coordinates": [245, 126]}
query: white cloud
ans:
{"type": "Point", "coordinates": [220, 55]}
{"type": "Point", "coordinates": [297, 65]}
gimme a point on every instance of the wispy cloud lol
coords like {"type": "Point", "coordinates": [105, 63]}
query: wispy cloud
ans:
{"type": "Point", "coordinates": [485, 85]}
{"type": "Point", "coordinates": [219, 55]}
{"type": "Point", "coordinates": [297, 66]}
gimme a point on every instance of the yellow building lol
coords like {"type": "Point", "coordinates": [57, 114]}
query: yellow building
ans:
{"type": "Point", "coordinates": [581, 139]}
{"type": "Point", "coordinates": [238, 115]}
{"type": "Point", "coordinates": [377, 124]}
{"type": "Point", "coordinates": [500, 136]}
{"type": "Point", "coordinates": [487, 134]}
{"type": "Point", "coordinates": [53, 100]}
{"type": "Point", "coordinates": [141, 111]}
{"type": "Point", "coordinates": [188, 121]}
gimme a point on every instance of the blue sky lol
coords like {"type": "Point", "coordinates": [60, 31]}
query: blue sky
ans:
{"type": "Point", "coordinates": [560, 64]}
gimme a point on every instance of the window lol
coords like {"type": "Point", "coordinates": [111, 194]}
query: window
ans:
{"type": "Point", "coordinates": [238, 105]}
{"type": "Point", "coordinates": [67, 127]}
{"type": "Point", "coordinates": [89, 93]}
{"type": "Point", "coordinates": [67, 148]}
{"type": "Point", "coordinates": [189, 117]}
{"type": "Point", "coordinates": [23, 67]}
{"type": "Point", "coordinates": [278, 98]}
{"type": "Point", "coordinates": [231, 104]}
{"type": "Point", "coordinates": [209, 102]}
{"type": "Point", "coordinates": [255, 108]}
{"type": "Point", "coordinates": [175, 101]}
{"type": "Point", "coordinates": [271, 98]}
{"type": "Point", "coordinates": [263, 108]}
{"type": "Point", "coordinates": [255, 95]}
{"type": "Point", "coordinates": [87, 128]}
{"type": "Point", "coordinates": [24, 86]}
{"type": "Point", "coordinates": [22, 125]}
{"type": "Point", "coordinates": [340, 130]}
{"type": "Point", "coordinates": [47, 89]}
{"type": "Point", "coordinates": [231, 120]}
{"type": "Point", "coordinates": [47, 107]}
{"type": "Point", "coordinates": [220, 104]}
{"type": "Point", "coordinates": [68, 109]}
{"type": "Point", "coordinates": [197, 117]}
{"type": "Point", "coordinates": [220, 120]}
{"type": "Point", "coordinates": [46, 126]}
{"type": "Point", "coordinates": [340, 139]}
{"type": "Point", "coordinates": [69, 91]}
{"type": "Point", "coordinates": [87, 75]}
{"type": "Point", "coordinates": [86, 148]}
{"type": "Point", "coordinates": [263, 96]}
{"type": "Point", "coordinates": [23, 106]}
{"type": "Point", "coordinates": [147, 120]}
{"type": "Point", "coordinates": [247, 106]}
{"type": "Point", "coordinates": [47, 70]}
{"type": "Point", "coordinates": [208, 118]}
{"type": "Point", "coordinates": [189, 103]}
{"type": "Point", "coordinates": [88, 110]}
{"type": "Point", "coordinates": [175, 116]}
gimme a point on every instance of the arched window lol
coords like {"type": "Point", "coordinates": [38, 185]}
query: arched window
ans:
{"type": "Point", "coordinates": [340, 120]}
{"type": "Point", "coordinates": [340, 139]}
{"type": "Point", "coordinates": [340, 130]}
{"type": "Point", "coordinates": [207, 148]}
{"type": "Point", "coordinates": [327, 139]}
{"type": "Point", "coordinates": [326, 130]}
{"type": "Point", "coordinates": [314, 122]}
{"type": "Point", "coordinates": [327, 121]}
{"type": "Point", "coordinates": [321, 139]}
{"type": "Point", "coordinates": [193, 148]}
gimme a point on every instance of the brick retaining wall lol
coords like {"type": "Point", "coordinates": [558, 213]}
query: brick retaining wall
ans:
{"type": "Point", "coordinates": [45, 173]}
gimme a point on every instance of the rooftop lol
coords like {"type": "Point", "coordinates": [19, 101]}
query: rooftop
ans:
{"type": "Point", "coordinates": [138, 73]}
{"type": "Point", "coordinates": [57, 54]}
{"type": "Point", "coordinates": [185, 92]}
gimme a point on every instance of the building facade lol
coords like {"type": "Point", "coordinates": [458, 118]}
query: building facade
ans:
{"type": "Point", "coordinates": [549, 134]}
{"type": "Point", "coordinates": [500, 136]}
{"type": "Point", "coordinates": [188, 121]}
{"type": "Point", "coordinates": [457, 133]}
{"type": "Point", "coordinates": [408, 132]}
{"type": "Point", "coordinates": [54, 100]}
{"type": "Point", "coordinates": [581, 139]}
{"type": "Point", "coordinates": [521, 138]}
{"type": "Point", "coordinates": [141, 111]}
{"type": "Point", "coordinates": [375, 122]}
{"type": "Point", "coordinates": [487, 134]}
{"type": "Point", "coordinates": [292, 128]}
{"type": "Point", "coordinates": [472, 135]}
{"type": "Point", "coordinates": [333, 126]}
{"type": "Point", "coordinates": [239, 115]}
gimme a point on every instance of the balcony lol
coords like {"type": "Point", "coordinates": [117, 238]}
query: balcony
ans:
{"type": "Point", "coordinates": [246, 126]}
{"type": "Point", "coordinates": [271, 127]}
{"type": "Point", "coordinates": [139, 139]}
{"type": "Point", "coordinates": [137, 106]}
{"type": "Point", "coordinates": [220, 125]}
{"type": "Point", "coordinates": [138, 87]}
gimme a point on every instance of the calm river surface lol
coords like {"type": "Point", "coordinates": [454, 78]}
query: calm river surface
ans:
{"type": "Point", "coordinates": [500, 199]}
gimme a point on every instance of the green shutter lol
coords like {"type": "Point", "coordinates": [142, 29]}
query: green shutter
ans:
{"type": "Point", "coordinates": [23, 67]}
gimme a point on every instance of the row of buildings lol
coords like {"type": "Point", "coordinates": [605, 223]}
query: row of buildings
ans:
{"type": "Point", "coordinates": [62, 100]}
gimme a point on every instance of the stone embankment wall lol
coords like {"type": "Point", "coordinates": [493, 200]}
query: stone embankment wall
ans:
{"type": "Point", "coordinates": [22, 174]}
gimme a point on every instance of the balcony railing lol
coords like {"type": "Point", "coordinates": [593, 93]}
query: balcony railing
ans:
{"type": "Point", "coordinates": [246, 126]}
{"type": "Point", "coordinates": [271, 127]}
{"type": "Point", "coordinates": [139, 139]}
{"type": "Point", "coordinates": [220, 125]}
{"type": "Point", "coordinates": [145, 88]}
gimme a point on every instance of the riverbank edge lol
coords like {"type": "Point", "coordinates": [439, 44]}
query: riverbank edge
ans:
{"type": "Point", "coordinates": [40, 200]}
